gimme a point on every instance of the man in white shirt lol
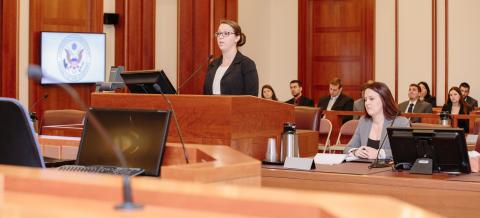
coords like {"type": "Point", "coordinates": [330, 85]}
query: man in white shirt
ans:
{"type": "Point", "coordinates": [336, 100]}
{"type": "Point", "coordinates": [414, 105]}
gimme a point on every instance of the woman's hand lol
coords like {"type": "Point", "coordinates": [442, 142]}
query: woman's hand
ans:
{"type": "Point", "coordinates": [366, 152]}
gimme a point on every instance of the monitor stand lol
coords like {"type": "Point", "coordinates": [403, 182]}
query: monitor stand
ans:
{"type": "Point", "coordinates": [422, 166]}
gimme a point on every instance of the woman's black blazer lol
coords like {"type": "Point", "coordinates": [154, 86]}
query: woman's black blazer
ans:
{"type": "Point", "coordinates": [241, 77]}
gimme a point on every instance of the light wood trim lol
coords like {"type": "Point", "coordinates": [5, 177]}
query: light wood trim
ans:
{"type": "Point", "coordinates": [231, 200]}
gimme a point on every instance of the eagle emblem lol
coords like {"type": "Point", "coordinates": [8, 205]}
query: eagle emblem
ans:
{"type": "Point", "coordinates": [73, 58]}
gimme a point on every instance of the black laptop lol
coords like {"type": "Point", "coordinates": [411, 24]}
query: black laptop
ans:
{"type": "Point", "coordinates": [140, 135]}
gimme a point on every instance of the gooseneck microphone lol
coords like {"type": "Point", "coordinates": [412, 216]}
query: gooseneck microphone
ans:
{"type": "Point", "coordinates": [159, 89]}
{"type": "Point", "coordinates": [376, 163]}
{"type": "Point", "coordinates": [194, 73]}
{"type": "Point", "coordinates": [35, 73]}
{"type": "Point", "coordinates": [45, 96]}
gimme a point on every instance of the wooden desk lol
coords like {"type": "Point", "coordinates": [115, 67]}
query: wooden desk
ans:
{"type": "Point", "coordinates": [439, 193]}
{"type": "Point", "coordinates": [208, 163]}
{"type": "Point", "coordinates": [42, 193]}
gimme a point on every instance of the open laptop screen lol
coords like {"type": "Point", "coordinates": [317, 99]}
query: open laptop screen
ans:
{"type": "Point", "coordinates": [140, 134]}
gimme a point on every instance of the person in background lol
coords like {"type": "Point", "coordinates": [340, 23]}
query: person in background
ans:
{"type": "Point", "coordinates": [359, 104]}
{"type": "Point", "coordinates": [465, 89]}
{"type": "Point", "coordinates": [232, 73]}
{"type": "Point", "coordinates": [414, 105]}
{"type": "Point", "coordinates": [425, 94]}
{"type": "Point", "coordinates": [268, 93]}
{"type": "Point", "coordinates": [336, 100]}
{"type": "Point", "coordinates": [457, 105]}
{"type": "Point", "coordinates": [381, 112]}
{"type": "Point", "coordinates": [298, 99]}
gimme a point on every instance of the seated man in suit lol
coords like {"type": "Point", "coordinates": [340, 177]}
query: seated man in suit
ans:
{"type": "Point", "coordinates": [465, 89]}
{"type": "Point", "coordinates": [336, 100]}
{"type": "Point", "coordinates": [414, 105]}
{"type": "Point", "coordinates": [298, 99]}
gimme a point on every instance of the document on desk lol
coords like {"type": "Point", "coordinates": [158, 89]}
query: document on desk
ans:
{"type": "Point", "coordinates": [329, 159]}
{"type": "Point", "coordinates": [471, 139]}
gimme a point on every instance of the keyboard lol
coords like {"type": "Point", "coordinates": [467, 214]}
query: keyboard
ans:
{"type": "Point", "coordinates": [112, 170]}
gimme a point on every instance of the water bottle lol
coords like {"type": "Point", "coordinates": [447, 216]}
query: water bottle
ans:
{"type": "Point", "coordinates": [289, 146]}
{"type": "Point", "coordinates": [444, 118]}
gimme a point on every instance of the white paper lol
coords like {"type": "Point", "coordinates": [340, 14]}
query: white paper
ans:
{"type": "Point", "coordinates": [473, 154]}
{"type": "Point", "coordinates": [329, 159]}
{"type": "Point", "coordinates": [472, 139]}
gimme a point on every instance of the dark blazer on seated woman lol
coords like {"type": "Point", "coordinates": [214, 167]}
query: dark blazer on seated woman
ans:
{"type": "Point", "coordinates": [241, 77]}
{"type": "Point", "coordinates": [360, 137]}
{"type": "Point", "coordinates": [464, 109]}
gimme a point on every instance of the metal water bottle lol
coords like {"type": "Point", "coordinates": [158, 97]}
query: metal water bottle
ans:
{"type": "Point", "coordinates": [444, 118]}
{"type": "Point", "coordinates": [289, 146]}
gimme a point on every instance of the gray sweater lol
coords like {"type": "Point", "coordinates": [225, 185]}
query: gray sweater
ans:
{"type": "Point", "coordinates": [360, 137]}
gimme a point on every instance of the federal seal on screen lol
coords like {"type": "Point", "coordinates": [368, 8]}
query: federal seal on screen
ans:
{"type": "Point", "coordinates": [73, 58]}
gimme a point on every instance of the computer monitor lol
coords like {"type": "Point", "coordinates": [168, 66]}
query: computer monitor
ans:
{"type": "Point", "coordinates": [445, 148]}
{"type": "Point", "coordinates": [140, 134]}
{"type": "Point", "coordinates": [143, 81]}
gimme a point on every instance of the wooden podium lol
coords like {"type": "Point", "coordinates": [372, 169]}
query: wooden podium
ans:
{"type": "Point", "coordinates": [241, 122]}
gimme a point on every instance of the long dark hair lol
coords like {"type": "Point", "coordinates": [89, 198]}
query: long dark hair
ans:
{"type": "Point", "coordinates": [390, 109]}
{"type": "Point", "coordinates": [274, 97]}
{"type": "Point", "coordinates": [463, 105]}
{"type": "Point", "coordinates": [427, 88]}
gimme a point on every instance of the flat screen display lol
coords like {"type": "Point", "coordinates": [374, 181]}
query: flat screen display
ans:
{"type": "Point", "coordinates": [72, 57]}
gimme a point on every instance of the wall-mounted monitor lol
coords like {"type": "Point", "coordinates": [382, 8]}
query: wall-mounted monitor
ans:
{"type": "Point", "coordinates": [68, 57]}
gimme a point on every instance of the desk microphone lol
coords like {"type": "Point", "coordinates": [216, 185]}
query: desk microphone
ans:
{"type": "Point", "coordinates": [375, 163]}
{"type": "Point", "coordinates": [159, 89]}
{"type": "Point", "coordinates": [35, 73]}
{"type": "Point", "coordinates": [195, 72]}
{"type": "Point", "coordinates": [45, 96]}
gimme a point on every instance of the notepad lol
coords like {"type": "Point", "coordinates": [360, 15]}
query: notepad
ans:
{"type": "Point", "coordinates": [329, 159]}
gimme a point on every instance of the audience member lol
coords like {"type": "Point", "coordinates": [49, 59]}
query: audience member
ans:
{"type": "Point", "coordinates": [359, 104]}
{"type": "Point", "coordinates": [456, 105]}
{"type": "Point", "coordinates": [425, 94]}
{"type": "Point", "coordinates": [414, 105]}
{"type": "Point", "coordinates": [298, 99]}
{"type": "Point", "coordinates": [232, 73]}
{"type": "Point", "coordinates": [381, 112]}
{"type": "Point", "coordinates": [268, 93]}
{"type": "Point", "coordinates": [465, 89]}
{"type": "Point", "coordinates": [336, 100]}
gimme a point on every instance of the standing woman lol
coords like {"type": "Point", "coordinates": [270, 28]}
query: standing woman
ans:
{"type": "Point", "coordinates": [457, 105]}
{"type": "Point", "coordinates": [269, 93]}
{"type": "Point", "coordinates": [232, 73]}
{"type": "Point", "coordinates": [425, 94]}
{"type": "Point", "coordinates": [381, 112]}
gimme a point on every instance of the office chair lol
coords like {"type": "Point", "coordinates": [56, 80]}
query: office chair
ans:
{"type": "Point", "coordinates": [18, 144]}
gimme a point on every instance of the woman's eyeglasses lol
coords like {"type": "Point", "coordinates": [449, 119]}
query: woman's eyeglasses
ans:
{"type": "Point", "coordinates": [223, 34]}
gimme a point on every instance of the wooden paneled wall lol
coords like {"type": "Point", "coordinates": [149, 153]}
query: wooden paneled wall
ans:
{"type": "Point", "coordinates": [198, 19]}
{"type": "Point", "coordinates": [336, 39]}
{"type": "Point", "coordinates": [9, 52]}
{"type": "Point", "coordinates": [66, 16]}
{"type": "Point", "coordinates": [135, 34]}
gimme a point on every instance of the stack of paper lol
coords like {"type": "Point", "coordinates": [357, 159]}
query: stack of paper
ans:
{"type": "Point", "coordinates": [329, 159]}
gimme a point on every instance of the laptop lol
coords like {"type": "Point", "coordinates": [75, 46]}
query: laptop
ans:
{"type": "Point", "coordinates": [140, 134]}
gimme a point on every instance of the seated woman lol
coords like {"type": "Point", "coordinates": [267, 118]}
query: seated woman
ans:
{"type": "Point", "coordinates": [268, 93]}
{"type": "Point", "coordinates": [425, 94]}
{"type": "Point", "coordinates": [457, 105]}
{"type": "Point", "coordinates": [381, 112]}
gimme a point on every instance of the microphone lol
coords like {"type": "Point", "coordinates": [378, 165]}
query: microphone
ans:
{"type": "Point", "coordinates": [375, 163]}
{"type": "Point", "coordinates": [159, 89]}
{"type": "Point", "coordinates": [35, 73]}
{"type": "Point", "coordinates": [195, 72]}
{"type": "Point", "coordinates": [45, 96]}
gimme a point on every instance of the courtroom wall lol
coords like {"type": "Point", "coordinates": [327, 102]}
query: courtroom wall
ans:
{"type": "Point", "coordinates": [272, 27]}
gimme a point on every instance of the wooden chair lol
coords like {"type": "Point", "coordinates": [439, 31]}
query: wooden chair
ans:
{"type": "Point", "coordinates": [325, 130]}
{"type": "Point", "coordinates": [62, 117]}
{"type": "Point", "coordinates": [346, 131]}
{"type": "Point", "coordinates": [307, 118]}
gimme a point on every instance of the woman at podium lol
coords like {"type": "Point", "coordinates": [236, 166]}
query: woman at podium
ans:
{"type": "Point", "coordinates": [381, 112]}
{"type": "Point", "coordinates": [232, 73]}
